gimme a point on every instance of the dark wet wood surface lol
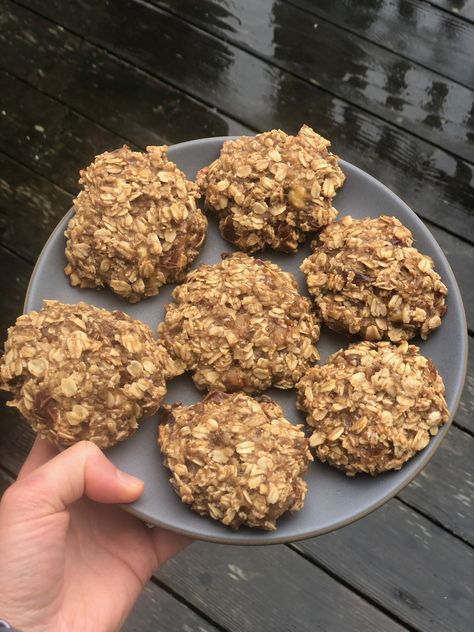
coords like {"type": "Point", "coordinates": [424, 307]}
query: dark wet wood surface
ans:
{"type": "Point", "coordinates": [436, 183]}
{"type": "Point", "coordinates": [409, 28]}
{"type": "Point", "coordinates": [389, 82]}
{"type": "Point", "coordinates": [463, 8]}
{"type": "Point", "coordinates": [344, 65]}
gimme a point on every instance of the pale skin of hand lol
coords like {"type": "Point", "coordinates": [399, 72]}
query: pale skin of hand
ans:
{"type": "Point", "coordinates": [70, 560]}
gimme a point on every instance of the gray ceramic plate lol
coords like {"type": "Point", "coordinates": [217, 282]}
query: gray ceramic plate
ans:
{"type": "Point", "coordinates": [333, 500]}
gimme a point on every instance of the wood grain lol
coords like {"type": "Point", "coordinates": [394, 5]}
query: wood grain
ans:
{"type": "Point", "coordinates": [444, 489]}
{"type": "Point", "coordinates": [460, 256]}
{"type": "Point", "coordinates": [268, 588]}
{"type": "Point", "coordinates": [406, 563]}
{"type": "Point", "coordinates": [465, 413]}
{"type": "Point", "coordinates": [410, 28]}
{"type": "Point", "coordinates": [434, 183]}
{"type": "Point", "coordinates": [30, 207]}
{"type": "Point", "coordinates": [16, 437]}
{"type": "Point", "coordinates": [156, 610]}
{"type": "Point", "coordinates": [463, 8]}
{"type": "Point", "coordinates": [125, 100]}
{"type": "Point", "coordinates": [14, 276]}
{"type": "Point", "coordinates": [396, 89]}
{"type": "Point", "coordinates": [46, 136]}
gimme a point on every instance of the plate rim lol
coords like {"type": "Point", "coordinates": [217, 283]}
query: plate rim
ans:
{"type": "Point", "coordinates": [253, 537]}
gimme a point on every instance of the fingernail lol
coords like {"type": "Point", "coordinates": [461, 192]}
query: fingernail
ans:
{"type": "Point", "coordinates": [128, 480]}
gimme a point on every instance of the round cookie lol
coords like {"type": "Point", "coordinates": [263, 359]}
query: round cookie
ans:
{"type": "Point", "coordinates": [135, 226]}
{"type": "Point", "coordinates": [240, 325]}
{"type": "Point", "coordinates": [272, 189]}
{"type": "Point", "coordinates": [367, 279]}
{"type": "Point", "coordinates": [235, 458]}
{"type": "Point", "coordinates": [77, 372]}
{"type": "Point", "coordinates": [372, 406]}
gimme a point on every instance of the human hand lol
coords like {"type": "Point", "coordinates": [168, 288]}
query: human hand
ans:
{"type": "Point", "coordinates": [70, 562]}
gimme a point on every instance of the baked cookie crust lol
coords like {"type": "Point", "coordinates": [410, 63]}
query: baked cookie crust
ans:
{"type": "Point", "coordinates": [77, 372]}
{"type": "Point", "coordinates": [372, 406]}
{"type": "Point", "coordinates": [235, 458]}
{"type": "Point", "coordinates": [272, 189]}
{"type": "Point", "coordinates": [136, 225]}
{"type": "Point", "coordinates": [366, 278]}
{"type": "Point", "coordinates": [240, 324]}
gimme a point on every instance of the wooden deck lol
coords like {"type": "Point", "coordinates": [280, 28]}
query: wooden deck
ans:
{"type": "Point", "coordinates": [390, 82]}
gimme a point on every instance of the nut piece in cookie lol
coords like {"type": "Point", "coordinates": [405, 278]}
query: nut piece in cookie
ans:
{"type": "Point", "coordinates": [135, 226]}
{"type": "Point", "coordinates": [235, 458]}
{"type": "Point", "coordinates": [372, 406]}
{"type": "Point", "coordinates": [77, 372]}
{"type": "Point", "coordinates": [272, 189]}
{"type": "Point", "coordinates": [240, 324]}
{"type": "Point", "coordinates": [366, 278]}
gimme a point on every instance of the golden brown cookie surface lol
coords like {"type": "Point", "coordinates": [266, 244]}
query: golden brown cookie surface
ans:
{"type": "Point", "coordinates": [77, 372]}
{"type": "Point", "coordinates": [240, 324]}
{"type": "Point", "coordinates": [366, 278]}
{"type": "Point", "coordinates": [136, 225]}
{"type": "Point", "coordinates": [272, 189]}
{"type": "Point", "coordinates": [372, 406]}
{"type": "Point", "coordinates": [235, 458]}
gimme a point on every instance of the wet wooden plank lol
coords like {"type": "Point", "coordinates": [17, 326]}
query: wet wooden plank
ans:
{"type": "Point", "coordinates": [460, 256]}
{"type": "Point", "coordinates": [368, 76]}
{"type": "Point", "coordinates": [16, 437]}
{"type": "Point", "coordinates": [30, 207]}
{"type": "Point", "coordinates": [407, 564]}
{"type": "Point", "coordinates": [157, 610]}
{"type": "Point", "coordinates": [444, 490]}
{"type": "Point", "coordinates": [434, 183]}
{"type": "Point", "coordinates": [14, 276]}
{"type": "Point", "coordinates": [61, 164]}
{"type": "Point", "coordinates": [463, 8]}
{"type": "Point", "coordinates": [465, 413]}
{"type": "Point", "coordinates": [410, 28]}
{"type": "Point", "coordinates": [127, 101]}
{"type": "Point", "coordinates": [268, 588]}
{"type": "Point", "coordinates": [46, 136]}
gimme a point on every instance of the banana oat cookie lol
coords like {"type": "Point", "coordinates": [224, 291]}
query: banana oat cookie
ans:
{"type": "Point", "coordinates": [240, 325]}
{"type": "Point", "coordinates": [372, 406]}
{"type": "Point", "coordinates": [78, 372]}
{"type": "Point", "coordinates": [135, 226]}
{"type": "Point", "coordinates": [272, 189]}
{"type": "Point", "coordinates": [367, 279]}
{"type": "Point", "coordinates": [235, 458]}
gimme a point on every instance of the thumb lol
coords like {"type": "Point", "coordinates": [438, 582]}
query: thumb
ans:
{"type": "Point", "coordinates": [82, 470]}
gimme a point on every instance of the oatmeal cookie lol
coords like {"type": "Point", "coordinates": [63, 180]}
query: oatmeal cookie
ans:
{"type": "Point", "coordinates": [366, 278]}
{"type": "Point", "coordinates": [372, 406]}
{"type": "Point", "coordinates": [235, 458]}
{"type": "Point", "coordinates": [240, 325]}
{"type": "Point", "coordinates": [77, 372]}
{"type": "Point", "coordinates": [135, 226]}
{"type": "Point", "coordinates": [272, 189]}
